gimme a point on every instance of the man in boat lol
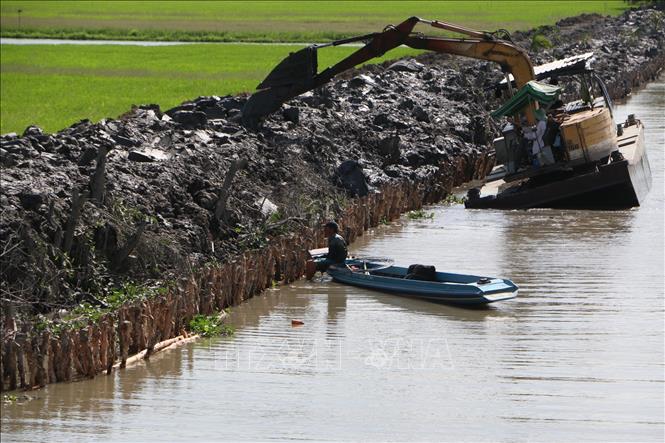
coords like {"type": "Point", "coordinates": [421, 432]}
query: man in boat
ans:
{"type": "Point", "coordinates": [336, 251]}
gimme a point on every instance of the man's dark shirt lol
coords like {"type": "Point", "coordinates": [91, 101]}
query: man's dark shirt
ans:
{"type": "Point", "coordinates": [336, 248]}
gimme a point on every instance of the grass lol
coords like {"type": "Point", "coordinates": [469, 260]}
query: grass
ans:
{"type": "Point", "coordinates": [55, 86]}
{"type": "Point", "coordinates": [295, 21]}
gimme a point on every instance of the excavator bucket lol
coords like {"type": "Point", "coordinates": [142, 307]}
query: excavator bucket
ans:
{"type": "Point", "coordinates": [297, 73]}
{"type": "Point", "coordinates": [263, 103]}
{"type": "Point", "coordinates": [298, 67]}
{"type": "Point", "coordinates": [292, 76]}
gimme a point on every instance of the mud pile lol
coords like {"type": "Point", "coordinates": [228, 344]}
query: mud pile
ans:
{"type": "Point", "coordinates": [154, 195]}
{"type": "Point", "coordinates": [629, 49]}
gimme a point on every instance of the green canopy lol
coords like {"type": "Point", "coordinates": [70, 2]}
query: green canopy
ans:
{"type": "Point", "coordinates": [533, 91]}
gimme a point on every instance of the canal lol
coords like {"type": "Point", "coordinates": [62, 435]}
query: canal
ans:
{"type": "Point", "coordinates": [577, 356]}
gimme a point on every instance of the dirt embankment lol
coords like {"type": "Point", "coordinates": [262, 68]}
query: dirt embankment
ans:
{"type": "Point", "coordinates": [202, 213]}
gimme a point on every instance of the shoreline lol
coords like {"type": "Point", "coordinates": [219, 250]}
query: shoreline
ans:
{"type": "Point", "coordinates": [234, 256]}
{"type": "Point", "coordinates": [144, 328]}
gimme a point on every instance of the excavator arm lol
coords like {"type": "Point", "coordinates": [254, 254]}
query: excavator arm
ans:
{"type": "Point", "coordinates": [481, 45]}
{"type": "Point", "coordinates": [297, 73]}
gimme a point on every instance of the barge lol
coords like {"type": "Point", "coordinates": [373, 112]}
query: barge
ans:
{"type": "Point", "coordinates": [620, 182]}
{"type": "Point", "coordinates": [589, 162]}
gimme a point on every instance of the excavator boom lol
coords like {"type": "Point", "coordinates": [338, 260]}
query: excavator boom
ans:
{"type": "Point", "coordinates": [298, 73]}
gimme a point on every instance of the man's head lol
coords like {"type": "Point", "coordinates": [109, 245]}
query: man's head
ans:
{"type": "Point", "coordinates": [330, 228]}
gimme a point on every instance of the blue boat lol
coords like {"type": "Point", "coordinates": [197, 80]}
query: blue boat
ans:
{"type": "Point", "coordinates": [457, 289]}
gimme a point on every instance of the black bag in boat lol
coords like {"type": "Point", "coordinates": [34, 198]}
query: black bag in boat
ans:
{"type": "Point", "coordinates": [421, 272]}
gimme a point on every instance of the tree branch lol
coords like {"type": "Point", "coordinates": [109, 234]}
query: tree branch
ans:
{"type": "Point", "coordinates": [223, 194]}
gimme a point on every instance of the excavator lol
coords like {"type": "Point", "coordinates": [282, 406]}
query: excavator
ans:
{"type": "Point", "coordinates": [599, 165]}
{"type": "Point", "coordinates": [297, 73]}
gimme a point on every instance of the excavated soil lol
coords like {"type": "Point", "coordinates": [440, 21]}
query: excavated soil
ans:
{"type": "Point", "coordinates": [148, 197]}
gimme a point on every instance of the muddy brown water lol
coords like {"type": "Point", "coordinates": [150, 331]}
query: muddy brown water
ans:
{"type": "Point", "coordinates": [577, 356]}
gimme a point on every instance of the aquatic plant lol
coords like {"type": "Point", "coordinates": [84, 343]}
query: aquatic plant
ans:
{"type": "Point", "coordinates": [453, 199]}
{"type": "Point", "coordinates": [419, 214]}
{"type": "Point", "coordinates": [209, 326]}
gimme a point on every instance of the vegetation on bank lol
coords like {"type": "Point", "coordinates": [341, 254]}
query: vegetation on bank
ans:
{"type": "Point", "coordinates": [209, 326]}
{"type": "Point", "coordinates": [270, 21]}
{"type": "Point", "coordinates": [55, 86]}
{"type": "Point", "coordinates": [92, 308]}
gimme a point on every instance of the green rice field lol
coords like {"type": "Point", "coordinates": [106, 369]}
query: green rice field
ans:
{"type": "Point", "coordinates": [299, 21]}
{"type": "Point", "coordinates": [55, 86]}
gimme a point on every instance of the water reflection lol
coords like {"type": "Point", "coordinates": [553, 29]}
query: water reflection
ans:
{"type": "Point", "coordinates": [440, 310]}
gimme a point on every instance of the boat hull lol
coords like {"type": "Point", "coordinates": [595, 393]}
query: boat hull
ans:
{"type": "Point", "coordinates": [457, 289]}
